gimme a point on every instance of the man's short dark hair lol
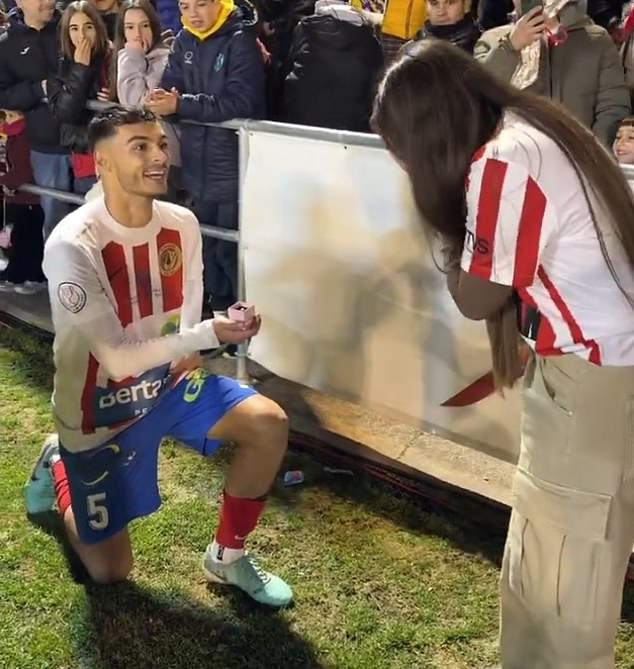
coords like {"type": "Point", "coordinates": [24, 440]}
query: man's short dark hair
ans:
{"type": "Point", "coordinates": [104, 124]}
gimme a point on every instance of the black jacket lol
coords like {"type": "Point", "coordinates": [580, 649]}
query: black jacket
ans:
{"type": "Point", "coordinates": [464, 34]}
{"type": "Point", "coordinates": [68, 93]}
{"type": "Point", "coordinates": [28, 56]}
{"type": "Point", "coordinates": [334, 68]}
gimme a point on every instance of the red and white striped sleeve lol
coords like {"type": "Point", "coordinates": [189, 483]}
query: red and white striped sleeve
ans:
{"type": "Point", "coordinates": [509, 221]}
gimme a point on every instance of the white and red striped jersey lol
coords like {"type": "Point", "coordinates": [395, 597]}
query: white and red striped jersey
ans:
{"type": "Point", "coordinates": [125, 302]}
{"type": "Point", "coordinates": [529, 226]}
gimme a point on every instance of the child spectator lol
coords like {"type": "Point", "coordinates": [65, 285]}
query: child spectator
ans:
{"type": "Point", "coordinates": [141, 60]}
{"type": "Point", "coordinates": [623, 146]}
{"type": "Point", "coordinates": [22, 212]}
{"type": "Point", "coordinates": [334, 61]}
{"type": "Point", "coordinates": [451, 20]}
{"type": "Point", "coordinates": [83, 75]}
{"type": "Point", "coordinates": [215, 72]}
{"type": "Point", "coordinates": [108, 10]}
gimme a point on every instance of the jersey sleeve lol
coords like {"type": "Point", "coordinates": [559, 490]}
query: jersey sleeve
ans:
{"type": "Point", "coordinates": [509, 223]}
{"type": "Point", "coordinates": [191, 311]}
{"type": "Point", "coordinates": [78, 300]}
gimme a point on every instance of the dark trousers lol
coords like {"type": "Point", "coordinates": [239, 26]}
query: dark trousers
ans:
{"type": "Point", "coordinates": [27, 243]}
{"type": "Point", "coordinates": [220, 258]}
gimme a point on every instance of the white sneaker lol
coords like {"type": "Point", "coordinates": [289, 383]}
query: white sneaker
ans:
{"type": "Point", "coordinates": [7, 287]}
{"type": "Point", "coordinates": [25, 289]}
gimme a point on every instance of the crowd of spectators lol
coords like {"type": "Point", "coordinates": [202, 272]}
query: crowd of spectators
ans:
{"type": "Point", "coordinates": [296, 61]}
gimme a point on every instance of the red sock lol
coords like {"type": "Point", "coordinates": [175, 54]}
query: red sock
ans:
{"type": "Point", "coordinates": [238, 518]}
{"type": "Point", "coordinates": [62, 489]}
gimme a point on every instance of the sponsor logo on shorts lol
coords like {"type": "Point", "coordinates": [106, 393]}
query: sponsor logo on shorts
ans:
{"type": "Point", "coordinates": [71, 296]}
{"type": "Point", "coordinates": [170, 259]}
{"type": "Point", "coordinates": [196, 381]}
{"type": "Point", "coordinates": [122, 402]}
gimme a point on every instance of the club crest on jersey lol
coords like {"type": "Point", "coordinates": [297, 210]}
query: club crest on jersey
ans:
{"type": "Point", "coordinates": [170, 259]}
{"type": "Point", "coordinates": [71, 296]}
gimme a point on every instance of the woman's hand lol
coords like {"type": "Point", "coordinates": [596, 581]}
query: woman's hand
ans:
{"type": "Point", "coordinates": [528, 29]}
{"type": "Point", "coordinates": [82, 52]}
{"type": "Point", "coordinates": [104, 94]}
{"type": "Point", "coordinates": [141, 44]}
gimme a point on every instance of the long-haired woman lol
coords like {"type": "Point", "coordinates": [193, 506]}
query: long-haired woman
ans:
{"type": "Point", "coordinates": [537, 224]}
{"type": "Point", "coordinates": [82, 76]}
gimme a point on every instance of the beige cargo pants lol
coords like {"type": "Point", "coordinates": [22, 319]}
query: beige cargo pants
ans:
{"type": "Point", "coordinates": [572, 526]}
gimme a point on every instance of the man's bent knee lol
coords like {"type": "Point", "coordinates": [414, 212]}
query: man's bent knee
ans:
{"type": "Point", "coordinates": [110, 572]}
{"type": "Point", "coordinates": [257, 420]}
{"type": "Point", "coordinates": [267, 421]}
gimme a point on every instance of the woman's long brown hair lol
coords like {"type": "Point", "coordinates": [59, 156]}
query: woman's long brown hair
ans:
{"type": "Point", "coordinates": [436, 106]}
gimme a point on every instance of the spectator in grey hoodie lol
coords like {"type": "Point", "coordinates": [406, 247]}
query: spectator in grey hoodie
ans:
{"type": "Point", "coordinates": [141, 59]}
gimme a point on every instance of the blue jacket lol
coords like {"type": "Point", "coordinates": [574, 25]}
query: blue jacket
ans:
{"type": "Point", "coordinates": [219, 78]}
{"type": "Point", "coordinates": [169, 14]}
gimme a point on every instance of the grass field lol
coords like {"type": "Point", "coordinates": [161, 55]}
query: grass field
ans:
{"type": "Point", "coordinates": [379, 583]}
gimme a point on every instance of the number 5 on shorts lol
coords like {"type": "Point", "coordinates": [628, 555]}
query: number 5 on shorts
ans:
{"type": "Point", "coordinates": [97, 513]}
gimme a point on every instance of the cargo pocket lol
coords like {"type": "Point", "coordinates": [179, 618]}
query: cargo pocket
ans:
{"type": "Point", "coordinates": [556, 547]}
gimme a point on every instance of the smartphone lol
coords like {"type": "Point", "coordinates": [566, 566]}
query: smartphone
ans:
{"type": "Point", "coordinates": [527, 5]}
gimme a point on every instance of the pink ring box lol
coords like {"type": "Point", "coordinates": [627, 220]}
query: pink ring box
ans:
{"type": "Point", "coordinates": [241, 312]}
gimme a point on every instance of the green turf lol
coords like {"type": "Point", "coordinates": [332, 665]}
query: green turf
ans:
{"type": "Point", "coordinates": [379, 583]}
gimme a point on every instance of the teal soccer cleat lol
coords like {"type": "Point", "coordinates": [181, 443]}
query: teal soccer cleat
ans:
{"type": "Point", "coordinates": [246, 574]}
{"type": "Point", "coordinates": [39, 491]}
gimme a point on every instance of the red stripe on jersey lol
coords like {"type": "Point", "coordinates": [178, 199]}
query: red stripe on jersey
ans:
{"type": "Point", "coordinates": [142, 278]}
{"type": "Point", "coordinates": [88, 396]}
{"type": "Point", "coordinates": [117, 270]}
{"type": "Point", "coordinates": [568, 318]}
{"type": "Point", "coordinates": [529, 233]}
{"type": "Point", "coordinates": [487, 217]}
{"type": "Point", "coordinates": [170, 259]}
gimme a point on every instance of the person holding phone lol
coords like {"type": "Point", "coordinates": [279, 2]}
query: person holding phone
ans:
{"type": "Point", "coordinates": [554, 49]}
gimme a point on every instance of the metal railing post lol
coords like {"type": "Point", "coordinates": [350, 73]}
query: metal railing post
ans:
{"type": "Point", "coordinates": [242, 373]}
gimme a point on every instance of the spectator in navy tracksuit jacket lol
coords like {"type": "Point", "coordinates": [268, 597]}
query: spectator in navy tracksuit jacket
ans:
{"type": "Point", "coordinates": [214, 73]}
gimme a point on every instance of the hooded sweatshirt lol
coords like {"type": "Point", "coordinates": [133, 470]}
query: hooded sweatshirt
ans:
{"type": "Point", "coordinates": [28, 56]}
{"type": "Point", "coordinates": [334, 61]}
{"type": "Point", "coordinates": [220, 76]}
{"type": "Point", "coordinates": [583, 72]}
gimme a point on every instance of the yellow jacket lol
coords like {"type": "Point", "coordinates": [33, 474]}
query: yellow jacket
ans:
{"type": "Point", "coordinates": [404, 18]}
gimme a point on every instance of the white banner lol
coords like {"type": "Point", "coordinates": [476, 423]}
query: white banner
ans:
{"type": "Point", "coordinates": [337, 264]}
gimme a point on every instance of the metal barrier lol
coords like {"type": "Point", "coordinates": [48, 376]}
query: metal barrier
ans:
{"type": "Point", "coordinates": [244, 127]}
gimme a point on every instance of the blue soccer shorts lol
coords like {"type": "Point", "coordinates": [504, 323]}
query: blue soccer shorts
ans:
{"type": "Point", "coordinates": [117, 482]}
